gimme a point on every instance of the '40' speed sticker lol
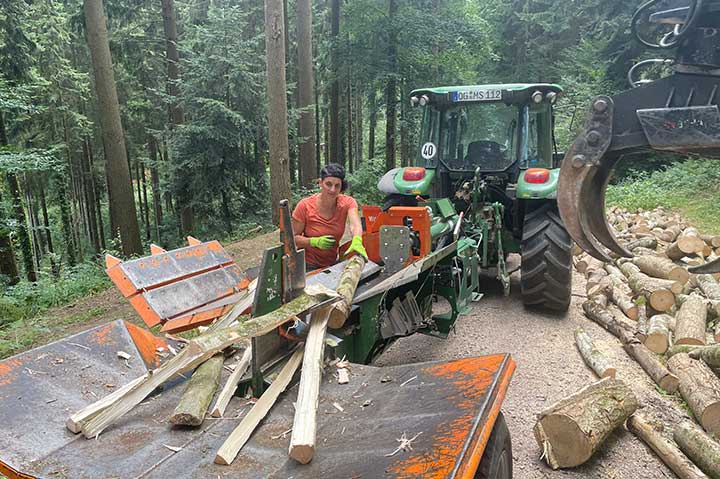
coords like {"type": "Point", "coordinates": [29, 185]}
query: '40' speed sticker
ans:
{"type": "Point", "coordinates": [428, 150]}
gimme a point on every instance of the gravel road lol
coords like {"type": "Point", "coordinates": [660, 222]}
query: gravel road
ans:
{"type": "Point", "coordinates": [548, 368]}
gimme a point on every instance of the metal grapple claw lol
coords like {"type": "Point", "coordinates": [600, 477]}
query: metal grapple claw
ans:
{"type": "Point", "coordinates": [707, 268]}
{"type": "Point", "coordinates": [581, 188]}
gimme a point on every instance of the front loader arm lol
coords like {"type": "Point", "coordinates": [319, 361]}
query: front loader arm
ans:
{"type": "Point", "coordinates": [678, 113]}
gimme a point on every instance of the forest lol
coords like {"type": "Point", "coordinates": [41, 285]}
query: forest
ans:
{"type": "Point", "coordinates": [130, 121]}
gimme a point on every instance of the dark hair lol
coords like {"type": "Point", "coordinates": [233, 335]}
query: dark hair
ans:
{"type": "Point", "coordinates": [336, 171]}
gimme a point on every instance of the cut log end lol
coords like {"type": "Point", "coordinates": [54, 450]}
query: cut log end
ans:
{"type": "Point", "coordinates": [219, 459]}
{"type": "Point", "coordinates": [661, 299]}
{"type": "Point", "coordinates": [670, 383]}
{"type": "Point", "coordinates": [570, 446]}
{"type": "Point", "coordinates": [710, 419]}
{"type": "Point", "coordinates": [302, 453]}
{"type": "Point", "coordinates": [689, 341]}
{"type": "Point", "coordinates": [609, 373]}
{"type": "Point", "coordinates": [184, 419]}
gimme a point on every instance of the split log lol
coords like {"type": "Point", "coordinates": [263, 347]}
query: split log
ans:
{"type": "Point", "coordinates": [240, 435]}
{"type": "Point", "coordinates": [75, 422]}
{"type": "Point", "coordinates": [661, 268]}
{"type": "Point", "coordinates": [657, 334]}
{"type": "Point", "coordinates": [646, 359]}
{"type": "Point", "coordinates": [199, 392]}
{"type": "Point", "coordinates": [228, 390]}
{"type": "Point", "coordinates": [571, 430]}
{"type": "Point", "coordinates": [690, 322]}
{"type": "Point", "coordinates": [346, 289]}
{"type": "Point", "coordinates": [648, 242]}
{"type": "Point", "coordinates": [199, 349]}
{"type": "Point", "coordinates": [302, 441]}
{"type": "Point", "coordinates": [658, 292]}
{"type": "Point", "coordinates": [700, 388]}
{"type": "Point", "coordinates": [710, 355]}
{"type": "Point", "coordinates": [701, 448]}
{"type": "Point", "coordinates": [665, 450]}
{"type": "Point", "coordinates": [597, 361]}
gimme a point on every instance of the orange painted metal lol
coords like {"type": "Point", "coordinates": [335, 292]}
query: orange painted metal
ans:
{"type": "Point", "coordinates": [147, 344]}
{"type": "Point", "coordinates": [177, 288]}
{"type": "Point", "coordinates": [467, 435]}
{"type": "Point", "coordinates": [11, 473]}
{"type": "Point", "coordinates": [396, 216]}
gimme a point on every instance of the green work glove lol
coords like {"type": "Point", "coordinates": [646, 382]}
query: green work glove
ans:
{"type": "Point", "coordinates": [322, 242]}
{"type": "Point", "coordinates": [356, 246]}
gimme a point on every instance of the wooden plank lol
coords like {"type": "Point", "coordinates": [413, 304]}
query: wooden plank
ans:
{"type": "Point", "coordinates": [228, 390]}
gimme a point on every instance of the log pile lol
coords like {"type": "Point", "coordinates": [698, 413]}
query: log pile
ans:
{"type": "Point", "coordinates": [668, 321]}
{"type": "Point", "coordinates": [206, 354]}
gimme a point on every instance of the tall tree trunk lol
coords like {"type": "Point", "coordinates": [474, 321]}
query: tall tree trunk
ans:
{"type": "Point", "coordinates": [326, 122]}
{"type": "Point", "coordinates": [90, 203]}
{"type": "Point", "coordinates": [155, 179]}
{"type": "Point", "coordinates": [334, 110]}
{"type": "Point", "coordinates": [277, 105]}
{"type": "Point", "coordinates": [318, 133]}
{"type": "Point", "coordinates": [26, 248]}
{"type": "Point", "coordinates": [46, 226]}
{"type": "Point", "coordinates": [8, 265]}
{"type": "Point", "coordinates": [359, 125]}
{"type": "Point", "coordinates": [404, 130]}
{"type": "Point", "coordinates": [116, 156]}
{"type": "Point", "coordinates": [350, 143]}
{"type": "Point", "coordinates": [306, 130]}
{"type": "Point", "coordinates": [294, 165]}
{"type": "Point", "coordinates": [72, 238]}
{"type": "Point", "coordinates": [143, 180]}
{"type": "Point", "coordinates": [176, 113]}
{"type": "Point", "coordinates": [35, 238]}
{"type": "Point", "coordinates": [372, 105]}
{"type": "Point", "coordinates": [66, 218]}
{"type": "Point", "coordinates": [95, 194]}
{"type": "Point", "coordinates": [138, 187]}
{"type": "Point", "coordinates": [390, 90]}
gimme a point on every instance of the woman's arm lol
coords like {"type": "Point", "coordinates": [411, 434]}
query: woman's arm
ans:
{"type": "Point", "coordinates": [355, 224]}
{"type": "Point", "coordinates": [301, 242]}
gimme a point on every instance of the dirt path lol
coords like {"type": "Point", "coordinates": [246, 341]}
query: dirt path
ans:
{"type": "Point", "coordinates": [548, 368]}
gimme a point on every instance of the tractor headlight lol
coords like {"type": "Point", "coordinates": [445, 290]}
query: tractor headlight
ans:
{"type": "Point", "coordinates": [537, 97]}
{"type": "Point", "coordinates": [551, 97]}
{"type": "Point", "coordinates": [424, 100]}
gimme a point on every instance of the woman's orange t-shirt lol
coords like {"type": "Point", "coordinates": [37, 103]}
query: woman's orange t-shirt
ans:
{"type": "Point", "coordinates": [316, 225]}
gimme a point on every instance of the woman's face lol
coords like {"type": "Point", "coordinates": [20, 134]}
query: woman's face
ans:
{"type": "Point", "coordinates": [330, 186]}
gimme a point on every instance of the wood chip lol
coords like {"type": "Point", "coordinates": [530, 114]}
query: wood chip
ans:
{"type": "Point", "coordinates": [173, 448]}
{"type": "Point", "coordinates": [405, 444]}
{"type": "Point", "coordinates": [338, 407]}
{"type": "Point", "coordinates": [409, 380]}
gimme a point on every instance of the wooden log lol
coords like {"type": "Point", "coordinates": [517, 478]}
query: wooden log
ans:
{"type": "Point", "coordinates": [240, 435]}
{"type": "Point", "coordinates": [690, 322]}
{"type": "Point", "coordinates": [75, 422]}
{"type": "Point", "coordinates": [711, 240]}
{"type": "Point", "coordinates": [670, 233]}
{"type": "Point", "coordinates": [640, 251]}
{"type": "Point", "coordinates": [683, 348]}
{"type": "Point", "coordinates": [700, 388]}
{"type": "Point", "coordinates": [663, 268]}
{"type": "Point", "coordinates": [648, 242]}
{"type": "Point", "coordinates": [664, 449]}
{"type": "Point", "coordinates": [710, 355]}
{"type": "Point", "coordinates": [199, 392]}
{"type": "Point", "coordinates": [658, 292]}
{"type": "Point", "coordinates": [657, 339]}
{"type": "Point", "coordinates": [346, 289]}
{"type": "Point", "coordinates": [709, 286]}
{"type": "Point", "coordinates": [688, 243]}
{"type": "Point", "coordinates": [703, 450]}
{"type": "Point", "coordinates": [302, 441]}
{"type": "Point", "coordinates": [623, 301]}
{"type": "Point", "coordinates": [633, 347]}
{"type": "Point", "coordinates": [228, 390]}
{"type": "Point", "coordinates": [642, 323]}
{"type": "Point", "coordinates": [200, 349]}
{"type": "Point", "coordinates": [597, 361]}
{"type": "Point", "coordinates": [596, 277]}
{"type": "Point", "coordinates": [571, 430]}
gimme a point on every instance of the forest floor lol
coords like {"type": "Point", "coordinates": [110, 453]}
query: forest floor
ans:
{"type": "Point", "coordinates": [548, 364]}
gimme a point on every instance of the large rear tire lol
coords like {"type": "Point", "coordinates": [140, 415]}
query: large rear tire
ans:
{"type": "Point", "coordinates": [546, 269]}
{"type": "Point", "coordinates": [496, 462]}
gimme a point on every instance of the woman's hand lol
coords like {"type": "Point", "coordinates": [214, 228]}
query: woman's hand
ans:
{"type": "Point", "coordinates": [322, 242]}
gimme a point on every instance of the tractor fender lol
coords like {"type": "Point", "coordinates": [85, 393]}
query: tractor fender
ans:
{"type": "Point", "coordinates": [387, 182]}
{"type": "Point", "coordinates": [538, 191]}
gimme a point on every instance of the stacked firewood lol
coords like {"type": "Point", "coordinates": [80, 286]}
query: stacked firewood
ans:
{"type": "Point", "coordinates": [666, 319]}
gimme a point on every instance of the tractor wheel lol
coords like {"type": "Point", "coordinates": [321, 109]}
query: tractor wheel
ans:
{"type": "Point", "coordinates": [396, 199]}
{"type": "Point", "coordinates": [546, 268]}
{"type": "Point", "coordinates": [496, 462]}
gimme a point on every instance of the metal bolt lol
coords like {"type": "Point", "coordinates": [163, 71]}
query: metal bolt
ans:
{"type": "Point", "coordinates": [593, 137]}
{"type": "Point", "coordinates": [578, 161]}
{"type": "Point", "coordinates": [600, 106]}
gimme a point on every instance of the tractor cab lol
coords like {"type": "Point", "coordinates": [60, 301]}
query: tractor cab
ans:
{"type": "Point", "coordinates": [496, 131]}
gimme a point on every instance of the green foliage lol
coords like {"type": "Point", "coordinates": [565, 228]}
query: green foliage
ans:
{"type": "Point", "coordinates": [692, 187]}
{"type": "Point", "coordinates": [363, 182]}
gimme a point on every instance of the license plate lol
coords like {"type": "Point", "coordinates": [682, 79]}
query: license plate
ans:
{"type": "Point", "coordinates": [477, 95]}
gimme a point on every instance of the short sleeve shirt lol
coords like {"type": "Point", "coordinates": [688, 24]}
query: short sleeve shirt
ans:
{"type": "Point", "coordinates": [307, 212]}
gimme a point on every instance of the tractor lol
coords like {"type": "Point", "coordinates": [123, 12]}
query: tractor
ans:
{"type": "Point", "coordinates": [490, 150]}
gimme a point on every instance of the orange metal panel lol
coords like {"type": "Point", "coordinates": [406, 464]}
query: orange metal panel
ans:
{"type": "Point", "coordinates": [121, 281]}
{"type": "Point", "coordinates": [155, 249]}
{"type": "Point", "coordinates": [145, 311]}
{"type": "Point", "coordinates": [193, 241]}
{"type": "Point", "coordinates": [194, 320]}
{"type": "Point", "coordinates": [395, 216]}
{"type": "Point", "coordinates": [11, 473]}
{"type": "Point", "coordinates": [146, 343]}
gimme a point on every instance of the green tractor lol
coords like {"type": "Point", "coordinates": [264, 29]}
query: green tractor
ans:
{"type": "Point", "coordinates": [490, 150]}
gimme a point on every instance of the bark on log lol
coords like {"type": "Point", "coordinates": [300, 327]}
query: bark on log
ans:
{"type": "Point", "coordinates": [657, 338]}
{"type": "Point", "coordinates": [700, 388]}
{"type": "Point", "coordinates": [602, 316]}
{"type": "Point", "coordinates": [690, 322]}
{"type": "Point", "coordinates": [649, 242]}
{"type": "Point", "coordinates": [662, 268]}
{"type": "Point", "coordinates": [199, 392]}
{"type": "Point", "coordinates": [688, 243]}
{"type": "Point", "coordinates": [642, 323]}
{"type": "Point", "coordinates": [302, 441]}
{"type": "Point", "coordinates": [667, 451]}
{"type": "Point", "coordinates": [711, 240]}
{"type": "Point", "coordinates": [198, 350]}
{"type": "Point", "coordinates": [658, 292]}
{"type": "Point", "coordinates": [698, 446]}
{"type": "Point", "coordinates": [346, 288]}
{"type": "Point", "coordinates": [571, 430]}
{"type": "Point", "coordinates": [240, 435]}
{"type": "Point", "coordinates": [597, 361]}
{"type": "Point", "coordinates": [710, 355]}
{"type": "Point", "coordinates": [228, 390]}
{"type": "Point", "coordinates": [683, 348]}
{"type": "Point", "coordinates": [709, 286]}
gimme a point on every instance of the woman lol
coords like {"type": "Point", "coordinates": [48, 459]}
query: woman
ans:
{"type": "Point", "coordinates": [319, 220]}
